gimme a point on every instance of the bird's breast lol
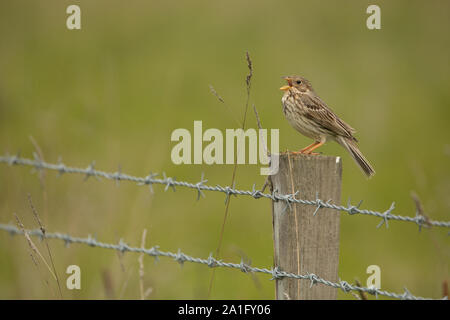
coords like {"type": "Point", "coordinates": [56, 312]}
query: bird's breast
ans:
{"type": "Point", "coordinates": [294, 113]}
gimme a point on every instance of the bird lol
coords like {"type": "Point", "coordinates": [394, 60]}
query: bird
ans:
{"type": "Point", "coordinates": [310, 116]}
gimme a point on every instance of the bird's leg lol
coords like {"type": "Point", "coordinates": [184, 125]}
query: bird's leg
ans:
{"type": "Point", "coordinates": [309, 147]}
{"type": "Point", "coordinates": [314, 147]}
{"type": "Point", "coordinates": [304, 150]}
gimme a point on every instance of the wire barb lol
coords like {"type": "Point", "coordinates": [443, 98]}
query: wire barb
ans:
{"type": "Point", "coordinates": [149, 180]}
{"type": "Point", "coordinates": [90, 171]}
{"type": "Point", "coordinates": [199, 186]}
{"type": "Point", "coordinates": [345, 286]}
{"type": "Point", "coordinates": [118, 175]}
{"type": "Point", "coordinates": [353, 209]}
{"type": "Point", "coordinates": [276, 274]}
{"type": "Point", "coordinates": [170, 182]}
{"type": "Point", "coordinates": [180, 257]}
{"type": "Point", "coordinates": [61, 167]}
{"type": "Point", "coordinates": [386, 216]}
{"type": "Point", "coordinates": [313, 278]}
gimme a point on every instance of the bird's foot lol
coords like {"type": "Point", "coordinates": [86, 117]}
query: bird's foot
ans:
{"type": "Point", "coordinates": [306, 153]}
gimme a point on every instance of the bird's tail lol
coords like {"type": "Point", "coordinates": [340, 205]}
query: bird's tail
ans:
{"type": "Point", "coordinates": [353, 149]}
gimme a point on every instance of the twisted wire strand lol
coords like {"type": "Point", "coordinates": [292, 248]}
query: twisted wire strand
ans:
{"type": "Point", "coordinates": [211, 262]}
{"type": "Point", "coordinates": [200, 186]}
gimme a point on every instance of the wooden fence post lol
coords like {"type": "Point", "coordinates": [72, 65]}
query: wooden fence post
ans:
{"type": "Point", "coordinates": [304, 243]}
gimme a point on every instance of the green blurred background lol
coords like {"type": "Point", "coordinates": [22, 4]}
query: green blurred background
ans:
{"type": "Point", "coordinates": [115, 90]}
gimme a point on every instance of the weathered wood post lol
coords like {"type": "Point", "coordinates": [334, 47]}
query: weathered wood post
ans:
{"type": "Point", "coordinates": [304, 243]}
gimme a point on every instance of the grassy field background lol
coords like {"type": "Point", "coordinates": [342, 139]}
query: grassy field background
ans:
{"type": "Point", "coordinates": [115, 90]}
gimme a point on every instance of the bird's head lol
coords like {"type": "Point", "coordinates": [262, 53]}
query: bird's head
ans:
{"type": "Point", "coordinates": [297, 82]}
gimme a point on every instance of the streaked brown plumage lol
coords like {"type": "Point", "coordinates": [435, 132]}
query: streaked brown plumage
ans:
{"type": "Point", "coordinates": [309, 115]}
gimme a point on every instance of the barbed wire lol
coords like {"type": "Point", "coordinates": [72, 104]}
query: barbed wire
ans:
{"type": "Point", "coordinates": [171, 182]}
{"type": "Point", "coordinates": [211, 262]}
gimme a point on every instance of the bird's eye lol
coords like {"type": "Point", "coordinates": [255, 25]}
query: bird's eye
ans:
{"type": "Point", "coordinates": [298, 81]}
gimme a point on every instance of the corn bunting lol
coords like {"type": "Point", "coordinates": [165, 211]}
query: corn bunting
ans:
{"type": "Point", "coordinates": [310, 116]}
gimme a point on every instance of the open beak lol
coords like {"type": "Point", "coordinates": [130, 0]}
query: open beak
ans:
{"type": "Point", "coordinates": [286, 88]}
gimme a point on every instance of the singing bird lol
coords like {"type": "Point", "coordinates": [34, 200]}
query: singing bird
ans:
{"type": "Point", "coordinates": [310, 116]}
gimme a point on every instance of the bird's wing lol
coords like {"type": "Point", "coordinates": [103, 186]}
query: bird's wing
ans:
{"type": "Point", "coordinates": [324, 116]}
